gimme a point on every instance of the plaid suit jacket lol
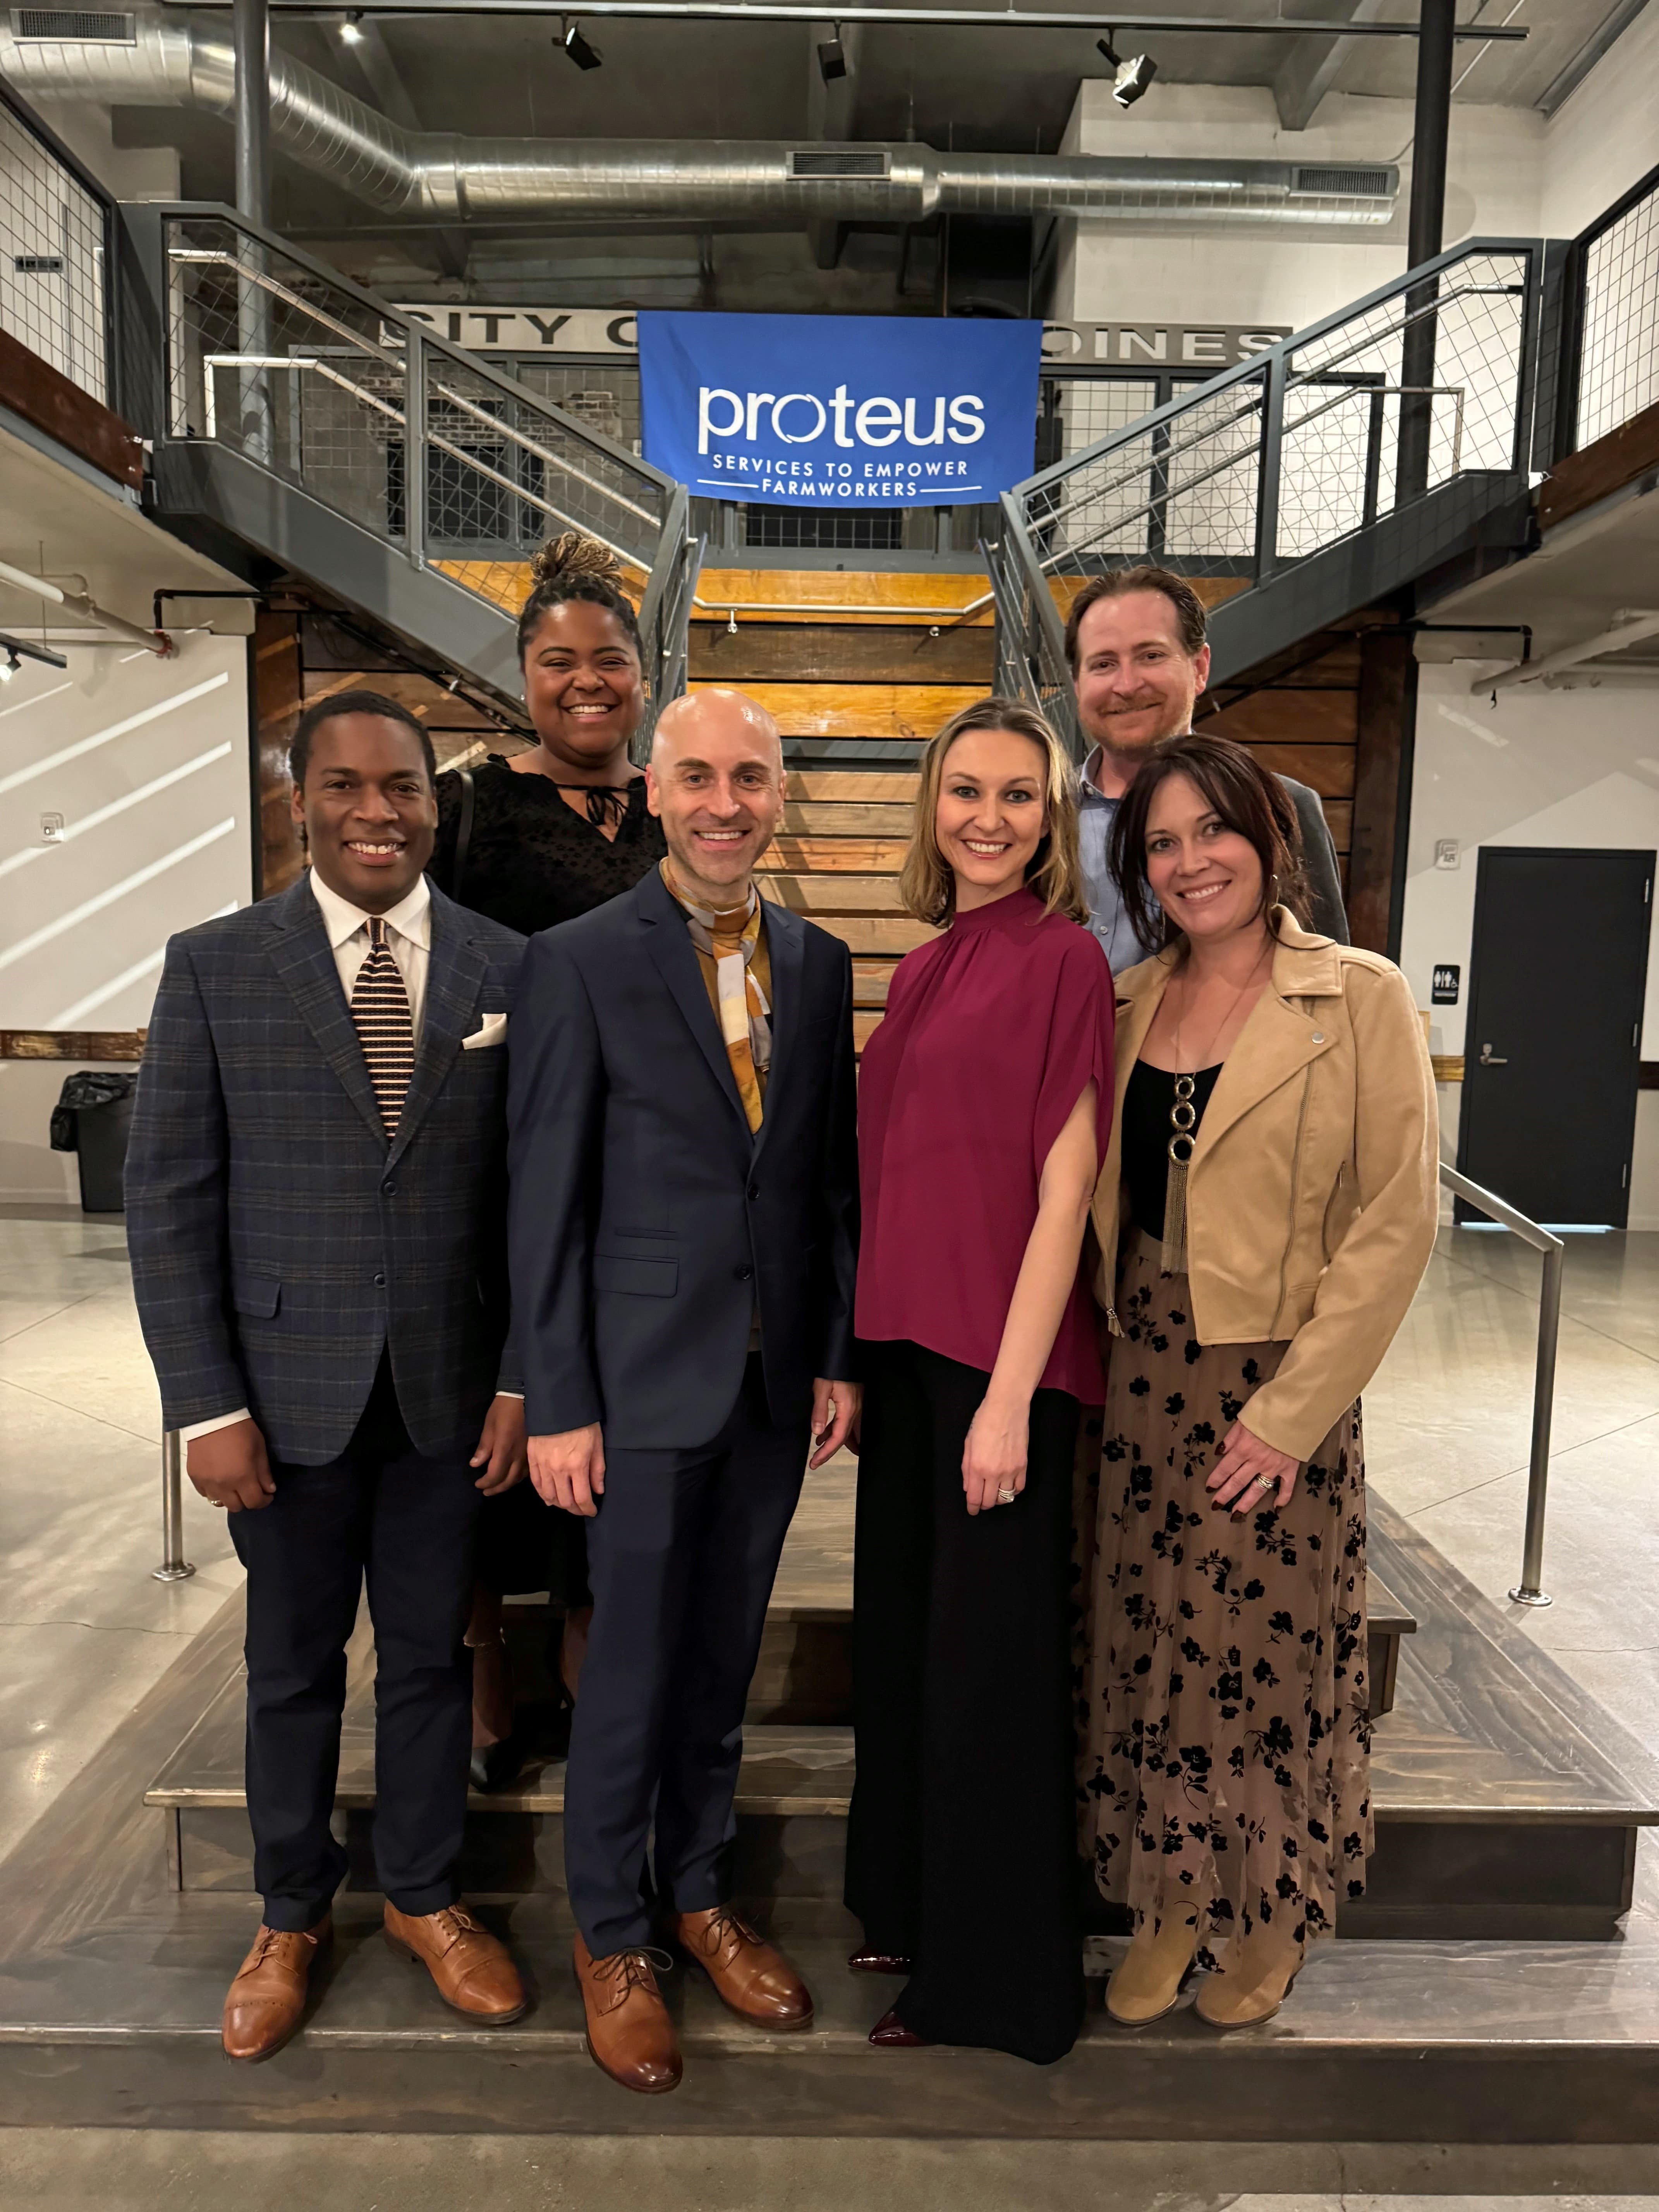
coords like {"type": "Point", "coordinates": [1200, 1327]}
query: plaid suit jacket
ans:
{"type": "Point", "coordinates": [278, 1242]}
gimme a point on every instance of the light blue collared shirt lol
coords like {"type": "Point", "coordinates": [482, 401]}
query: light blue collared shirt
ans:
{"type": "Point", "coordinates": [1108, 921]}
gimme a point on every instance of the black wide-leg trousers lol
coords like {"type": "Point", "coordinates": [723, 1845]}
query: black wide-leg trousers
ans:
{"type": "Point", "coordinates": [383, 1511]}
{"type": "Point", "coordinates": [961, 1851]}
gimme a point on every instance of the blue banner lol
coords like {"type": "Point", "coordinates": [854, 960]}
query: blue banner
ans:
{"type": "Point", "coordinates": [842, 411]}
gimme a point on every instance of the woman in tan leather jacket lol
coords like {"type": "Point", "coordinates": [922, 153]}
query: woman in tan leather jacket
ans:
{"type": "Point", "coordinates": [1265, 1213]}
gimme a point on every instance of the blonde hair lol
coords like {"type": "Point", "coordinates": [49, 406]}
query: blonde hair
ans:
{"type": "Point", "coordinates": [926, 883]}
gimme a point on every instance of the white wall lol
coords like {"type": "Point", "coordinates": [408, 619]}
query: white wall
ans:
{"type": "Point", "coordinates": [1257, 273]}
{"type": "Point", "coordinates": [147, 762]}
{"type": "Point", "coordinates": [1579, 767]}
{"type": "Point", "coordinates": [1606, 136]}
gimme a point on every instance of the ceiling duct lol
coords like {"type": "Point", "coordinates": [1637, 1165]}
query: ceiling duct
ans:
{"type": "Point", "coordinates": [439, 177]}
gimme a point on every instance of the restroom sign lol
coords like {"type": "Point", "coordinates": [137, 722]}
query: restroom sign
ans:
{"type": "Point", "coordinates": [1445, 981]}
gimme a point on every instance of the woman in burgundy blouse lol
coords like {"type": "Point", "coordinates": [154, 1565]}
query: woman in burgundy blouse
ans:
{"type": "Point", "coordinates": [984, 1107]}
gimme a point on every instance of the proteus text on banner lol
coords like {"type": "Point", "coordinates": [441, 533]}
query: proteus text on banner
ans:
{"type": "Point", "coordinates": [838, 411]}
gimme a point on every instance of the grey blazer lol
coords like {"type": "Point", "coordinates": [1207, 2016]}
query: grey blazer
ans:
{"type": "Point", "coordinates": [278, 1242]}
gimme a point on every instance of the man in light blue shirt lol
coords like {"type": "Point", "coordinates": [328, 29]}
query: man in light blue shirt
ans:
{"type": "Point", "coordinates": [1136, 644]}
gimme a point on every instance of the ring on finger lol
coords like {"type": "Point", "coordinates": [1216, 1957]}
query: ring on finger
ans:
{"type": "Point", "coordinates": [1266, 1481]}
{"type": "Point", "coordinates": [1007, 1496]}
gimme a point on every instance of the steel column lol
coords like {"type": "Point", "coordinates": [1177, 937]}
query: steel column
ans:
{"type": "Point", "coordinates": [1431, 132]}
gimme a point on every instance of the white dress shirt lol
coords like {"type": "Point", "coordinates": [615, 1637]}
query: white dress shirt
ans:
{"type": "Point", "coordinates": [408, 933]}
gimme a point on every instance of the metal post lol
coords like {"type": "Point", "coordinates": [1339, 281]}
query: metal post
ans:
{"type": "Point", "coordinates": [415, 477]}
{"type": "Point", "coordinates": [1430, 131]}
{"type": "Point", "coordinates": [251, 37]}
{"type": "Point", "coordinates": [1543, 1405]}
{"type": "Point", "coordinates": [174, 1567]}
{"type": "Point", "coordinates": [1266, 492]}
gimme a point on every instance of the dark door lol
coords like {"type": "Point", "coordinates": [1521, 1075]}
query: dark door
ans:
{"type": "Point", "coordinates": [1552, 1046]}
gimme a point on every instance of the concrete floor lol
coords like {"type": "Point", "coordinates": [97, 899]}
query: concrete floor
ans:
{"type": "Point", "coordinates": [121, 2170]}
{"type": "Point", "coordinates": [84, 1631]}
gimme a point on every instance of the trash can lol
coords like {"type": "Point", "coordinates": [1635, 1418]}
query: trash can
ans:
{"type": "Point", "coordinates": [91, 1119]}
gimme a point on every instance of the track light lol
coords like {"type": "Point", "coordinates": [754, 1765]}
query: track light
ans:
{"type": "Point", "coordinates": [13, 663]}
{"type": "Point", "coordinates": [351, 29]}
{"type": "Point", "coordinates": [585, 56]}
{"type": "Point", "coordinates": [1132, 77]}
{"type": "Point", "coordinates": [832, 57]}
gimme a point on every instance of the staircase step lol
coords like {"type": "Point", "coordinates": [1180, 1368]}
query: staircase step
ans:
{"type": "Point", "coordinates": [860, 710]}
{"type": "Point", "coordinates": [838, 817]}
{"type": "Point", "coordinates": [845, 595]}
{"type": "Point", "coordinates": [837, 651]}
{"type": "Point", "coordinates": [835, 856]}
{"type": "Point", "coordinates": [877, 933]}
{"type": "Point", "coordinates": [1383, 2043]}
{"type": "Point", "coordinates": [834, 894]}
{"type": "Point", "coordinates": [893, 787]}
{"type": "Point", "coordinates": [870, 981]}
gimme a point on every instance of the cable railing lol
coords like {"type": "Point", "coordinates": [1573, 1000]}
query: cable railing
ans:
{"type": "Point", "coordinates": [1427, 380]}
{"type": "Point", "coordinates": [54, 251]}
{"type": "Point", "coordinates": [453, 466]}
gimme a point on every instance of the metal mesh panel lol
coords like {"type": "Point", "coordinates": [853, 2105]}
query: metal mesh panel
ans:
{"type": "Point", "coordinates": [273, 357]}
{"type": "Point", "coordinates": [1619, 363]}
{"type": "Point", "coordinates": [51, 259]}
{"type": "Point", "coordinates": [1432, 370]}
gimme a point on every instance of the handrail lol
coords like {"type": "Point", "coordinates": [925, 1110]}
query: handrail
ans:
{"type": "Point", "coordinates": [174, 1567]}
{"type": "Point", "coordinates": [1529, 1591]}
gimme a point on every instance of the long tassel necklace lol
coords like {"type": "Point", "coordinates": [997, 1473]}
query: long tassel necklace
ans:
{"type": "Point", "coordinates": [1183, 1125]}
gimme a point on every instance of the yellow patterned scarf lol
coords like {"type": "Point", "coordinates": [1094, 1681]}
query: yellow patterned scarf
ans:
{"type": "Point", "coordinates": [730, 944]}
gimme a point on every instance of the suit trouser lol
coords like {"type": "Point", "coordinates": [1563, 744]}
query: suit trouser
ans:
{"type": "Point", "coordinates": [384, 1510]}
{"type": "Point", "coordinates": [682, 1556]}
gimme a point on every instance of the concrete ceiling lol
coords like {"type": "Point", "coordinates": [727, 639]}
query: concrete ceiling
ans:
{"type": "Point", "coordinates": [977, 90]}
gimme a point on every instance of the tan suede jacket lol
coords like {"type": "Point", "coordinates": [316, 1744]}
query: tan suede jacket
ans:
{"type": "Point", "coordinates": [1313, 1193]}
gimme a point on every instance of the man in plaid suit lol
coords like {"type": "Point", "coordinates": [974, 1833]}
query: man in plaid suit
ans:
{"type": "Point", "coordinates": [316, 1188]}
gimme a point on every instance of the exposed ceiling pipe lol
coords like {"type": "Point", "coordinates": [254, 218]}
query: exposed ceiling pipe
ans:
{"type": "Point", "coordinates": [153, 640]}
{"type": "Point", "coordinates": [439, 177]}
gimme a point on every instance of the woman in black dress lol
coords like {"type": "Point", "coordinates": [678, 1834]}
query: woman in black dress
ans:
{"type": "Point", "coordinates": [531, 840]}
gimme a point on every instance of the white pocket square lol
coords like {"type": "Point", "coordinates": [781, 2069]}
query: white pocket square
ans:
{"type": "Point", "coordinates": [491, 1029]}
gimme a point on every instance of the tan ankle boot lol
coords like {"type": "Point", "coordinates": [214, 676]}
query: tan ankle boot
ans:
{"type": "Point", "coordinates": [1257, 1976]}
{"type": "Point", "coordinates": [1147, 1981]}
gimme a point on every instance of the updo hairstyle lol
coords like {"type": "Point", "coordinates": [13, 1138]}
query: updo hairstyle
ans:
{"type": "Point", "coordinates": [575, 565]}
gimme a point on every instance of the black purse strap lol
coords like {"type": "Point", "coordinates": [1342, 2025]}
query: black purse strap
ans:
{"type": "Point", "coordinates": [463, 836]}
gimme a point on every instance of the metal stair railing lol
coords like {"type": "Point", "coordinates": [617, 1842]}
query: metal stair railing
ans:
{"type": "Point", "coordinates": [456, 468]}
{"type": "Point", "coordinates": [1308, 443]}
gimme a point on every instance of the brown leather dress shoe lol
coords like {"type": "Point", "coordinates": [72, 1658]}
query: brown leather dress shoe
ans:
{"type": "Point", "coordinates": [630, 2036]}
{"type": "Point", "coordinates": [752, 1978]}
{"type": "Point", "coordinates": [266, 2002]}
{"type": "Point", "coordinates": [473, 1970]}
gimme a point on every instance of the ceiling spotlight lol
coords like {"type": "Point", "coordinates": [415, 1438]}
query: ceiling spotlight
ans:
{"type": "Point", "coordinates": [351, 29]}
{"type": "Point", "coordinates": [585, 56]}
{"type": "Point", "coordinates": [832, 57]}
{"type": "Point", "coordinates": [1132, 77]}
{"type": "Point", "coordinates": [13, 663]}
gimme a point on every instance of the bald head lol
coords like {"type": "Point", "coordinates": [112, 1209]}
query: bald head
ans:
{"type": "Point", "coordinates": [687, 722]}
{"type": "Point", "coordinates": [715, 782]}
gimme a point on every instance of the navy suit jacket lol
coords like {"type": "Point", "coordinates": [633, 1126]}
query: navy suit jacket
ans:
{"type": "Point", "coordinates": [645, 1222]}
{"type": "Point", "coordinates": [278, 1242]}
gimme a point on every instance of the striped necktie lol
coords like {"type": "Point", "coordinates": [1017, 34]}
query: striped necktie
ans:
{"type": "Point", "coordinates": [379, 1007]}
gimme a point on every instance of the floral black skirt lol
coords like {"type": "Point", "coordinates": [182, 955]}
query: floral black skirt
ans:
{"type": "Point", "coordinates": [1225, 1745]}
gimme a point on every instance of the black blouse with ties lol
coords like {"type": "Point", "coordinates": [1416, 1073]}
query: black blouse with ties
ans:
{"type": "Point", "coordinates": [531, 859]}
{"type": "Point", "coordinates": [1147, 1128]}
